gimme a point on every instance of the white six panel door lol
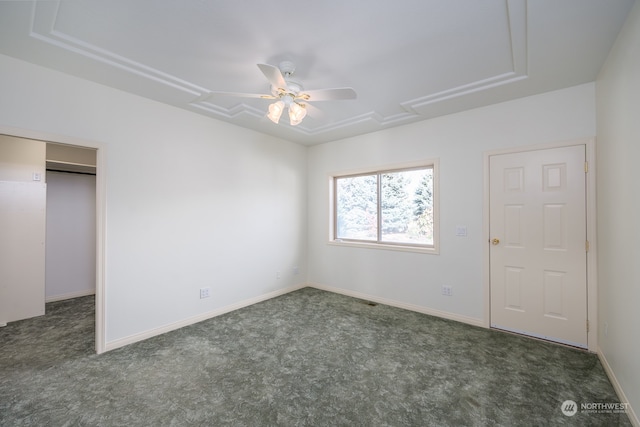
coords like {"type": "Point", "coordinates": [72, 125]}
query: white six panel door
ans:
{"type": "Point", "coordinates": [538, 244]}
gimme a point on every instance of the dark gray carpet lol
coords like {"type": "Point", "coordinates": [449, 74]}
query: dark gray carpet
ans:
{"type": "Point", "coordinates": [306, 358]}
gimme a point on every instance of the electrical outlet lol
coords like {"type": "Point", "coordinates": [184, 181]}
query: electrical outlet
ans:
{"type": "Point", "coordinates": [296, 271]}
{"type": "Point", "coordinates": [277, 275]}
{"type": "Point", "coordinates": [606, 329]}
{"type": "Point", "coordinates": [447, 290]}
{"type": "Point", "coordinates": [205, 292]}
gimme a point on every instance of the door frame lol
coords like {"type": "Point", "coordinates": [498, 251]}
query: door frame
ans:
{"type": "Point", "coordinates": [592, 276]}
{"type": "Point", "coordinates": [101, 209]}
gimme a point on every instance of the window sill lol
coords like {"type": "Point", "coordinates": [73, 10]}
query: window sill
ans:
{"type": "Point", "coordinates": [383, 246]}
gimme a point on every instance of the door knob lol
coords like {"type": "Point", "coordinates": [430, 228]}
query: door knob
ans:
{"type": "Point", "coordinates": [495, 241]}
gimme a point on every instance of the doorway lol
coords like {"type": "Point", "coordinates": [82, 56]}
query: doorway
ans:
{"type": "Point", "coordinates": [100, 199]}
{"type": "Point", "coordinates": [537, 245]}
{"type": "Point", "coordinates": [70, 242]}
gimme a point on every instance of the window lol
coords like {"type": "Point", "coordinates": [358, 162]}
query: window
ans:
{"type": "Point", "coordinates": [394, 208]}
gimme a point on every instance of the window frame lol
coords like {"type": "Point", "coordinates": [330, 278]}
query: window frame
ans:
{"type": "Point", "coordinates": [378, 243]}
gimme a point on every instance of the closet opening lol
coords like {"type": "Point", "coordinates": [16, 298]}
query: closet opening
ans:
{"type": "Point", "coordinates": [41, 260]}
{"type": "Point", "coordinates": [70, 269]}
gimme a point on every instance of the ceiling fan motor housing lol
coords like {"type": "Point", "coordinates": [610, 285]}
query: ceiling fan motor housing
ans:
{"type": "Point", "coordinates": [287, 68]}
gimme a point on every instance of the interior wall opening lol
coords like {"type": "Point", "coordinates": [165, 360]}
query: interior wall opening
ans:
{"type": "Point", "coordinates": [70, 268]}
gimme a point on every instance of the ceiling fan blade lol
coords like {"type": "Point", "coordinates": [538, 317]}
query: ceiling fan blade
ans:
{"type": "Point", "coordinates": [274, 76]}
{"type": "Point", "coordinates": [314, 112]}
{"type": "Point", "coordinates": [239, 94]}
{"type": "Point", "coordinates": [328, 94]}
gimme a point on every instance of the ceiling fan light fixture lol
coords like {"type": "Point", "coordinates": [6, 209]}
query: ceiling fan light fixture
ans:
{"type": "Point", "coordinates": [275, 111]}
{"type": "Point", "coordinates": [297, 112]}
{"type": "Point", "coordinates": [289, 94]}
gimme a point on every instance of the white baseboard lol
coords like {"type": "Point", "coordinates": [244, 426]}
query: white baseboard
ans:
{"type": "Point", "coordinates": [86, 292]}
{"type": "Point", "coordinates": [112, 345]}
{"type": "Point", "coordinates": [404, 305]}
{"type": "Point", "coordinates": [633, 417]}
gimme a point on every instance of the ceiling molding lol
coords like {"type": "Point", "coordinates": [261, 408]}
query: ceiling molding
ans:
{"type": "Point", "coordinates": [430, 59]}
{"type": "Point", "coordinates": [516, 12]}
{"type": "Point", "coordinates": [43, 28]}
{"type": "Point", "coordinates": [44, 17]}
{"type": "Point", "coordinates": [202, 103]}
{"type": "Point", "coordinates": [43, 23]}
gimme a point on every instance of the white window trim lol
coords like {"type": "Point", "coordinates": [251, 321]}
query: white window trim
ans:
{"type": "Point", "coordinates": [434, 250]}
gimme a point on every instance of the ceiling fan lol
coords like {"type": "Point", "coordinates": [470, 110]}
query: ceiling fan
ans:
{"type": "Point", "coordinates": [290, 94]}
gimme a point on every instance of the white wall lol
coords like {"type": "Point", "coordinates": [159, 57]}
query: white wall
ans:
{"type": "Point", "coordinates": [191, 202]}
{"type": "Point", "coordinates": [71, 236]}
{"type": "Point", "coordinates": [459, 141]}
{"type": "Point", "coordinates": [618, 113]}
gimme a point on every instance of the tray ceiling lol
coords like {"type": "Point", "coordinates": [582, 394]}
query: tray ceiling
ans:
{"type": "Point", "coordinates": [408, 60]}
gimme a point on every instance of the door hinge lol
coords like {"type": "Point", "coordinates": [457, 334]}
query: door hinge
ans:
{"type": "Point", "coordinates": [587, 325]}
{"type": "Point", "coordinates": [586, 167]}
{"type": "Point", "coordinates": [586, 245]}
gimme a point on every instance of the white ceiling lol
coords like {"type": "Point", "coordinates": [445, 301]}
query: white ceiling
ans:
{"type": "Point", "coordinates": [408, 60]}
